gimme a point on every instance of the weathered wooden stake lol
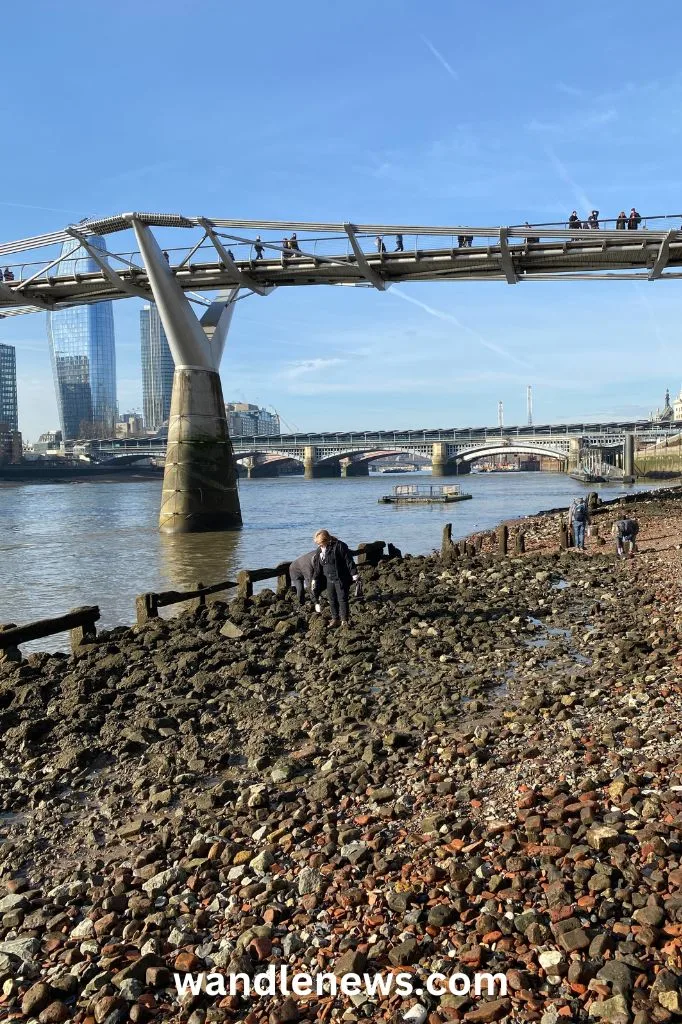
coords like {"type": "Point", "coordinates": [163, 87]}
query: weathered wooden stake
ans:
{"type": "Point", "coordinates": [563, 535]}
{"type": "Point", "coordinates": [520, 543]}
{"type": "Point", "coordinates": [502, 539]}
{"type": "Point", "coordinates": [244, 585]}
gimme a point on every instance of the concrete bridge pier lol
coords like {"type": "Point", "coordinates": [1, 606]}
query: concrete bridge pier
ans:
{"type": "Point", "coordinates": [440, 466]}
{"type": "Point", "coordinates": [628, 457]}
{"type": "Point", "coordinates": [314, 470]}
{"type": "Point", "coordinates": [350, 468]}
{"type": "Point", "coordinates": [200, 479]}
{"type": "Point", "coordinates": [256, 470]}
{"type": "Point", "coordinates": [574, 448]}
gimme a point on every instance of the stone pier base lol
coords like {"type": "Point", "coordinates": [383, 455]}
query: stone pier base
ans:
{"type": "Point", "coordinates": [200, 480]}
{"type": "Point", "coordinates": [355, 469]}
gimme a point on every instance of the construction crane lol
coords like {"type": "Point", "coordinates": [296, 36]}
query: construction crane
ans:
{"type": "Point", "coordinates": [291, 427]}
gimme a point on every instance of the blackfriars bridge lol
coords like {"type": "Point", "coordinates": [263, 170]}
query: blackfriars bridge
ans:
{"type": "Point", "coordinates": [449, 451]}
{"type": "Point", "coordinates": [229, 257]}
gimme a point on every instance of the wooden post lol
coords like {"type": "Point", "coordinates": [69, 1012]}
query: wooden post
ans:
{"type": "Point", "coordinates": [478, 543]}
{"type": "Point", "coordinates": [446, 541]}
{"type": "Point", "coordinates": [12, 654]}
{"type": "Point", "coordinates": [200, 600]}
{"type": "Point", "coordinates": [563, 535]}
{"type": "Point", "coordinates": [502, 539]}
{"type": "Point", "coordinates": [244, 585]}
{"type": "Point", "coordinates": [520, 543]}
{"type": "Point", "coordinates": [284, 579]}
{"type": "Point", "coordinates": [80, 635]}
{"type": "Point", "coordinates": [146, 608]}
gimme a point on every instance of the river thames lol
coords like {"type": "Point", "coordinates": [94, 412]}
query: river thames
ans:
{"type": "Point", "coordinates": [63, 545]}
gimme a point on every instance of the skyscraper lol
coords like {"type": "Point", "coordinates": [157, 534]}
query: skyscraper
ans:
{"type": "Point", "coordinates": [9, 417]}
{"type": "Point", "coordinates": [83, 355]}
{"type": "Point", "coordinates": [157, 369]}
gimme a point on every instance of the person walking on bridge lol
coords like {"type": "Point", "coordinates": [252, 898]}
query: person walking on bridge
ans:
{"type": "Point", "coordinates": [301, 574]}
{"type": "Point", "coordinates": [334, 564]}
{"type": "Point", "coordinates": [399, 243]}
{"type": "Point", "coordinates": [622, 221]}
{"type": "Point", "coordinates": [634, 220]}
{"type": "Point", "coordinates": [258, 248]}
{"type": "Point", "coordinates": [380, 244]}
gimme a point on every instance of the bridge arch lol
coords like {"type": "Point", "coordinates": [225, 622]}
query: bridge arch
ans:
{"type": "Point", "coordinates": [511, 449]}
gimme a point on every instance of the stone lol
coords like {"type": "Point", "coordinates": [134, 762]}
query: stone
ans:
{"type": "Point", "coordinates": [614, 1010]}
{"type": "Point", "coordinates": [231, 630]}
{"type": "Point", "coordinates": [495, 1009]}
{"type": "Point", "coordinates": [602, 837]}
{"type": "Point", "coordinates": [22, 949]}
{"type": "Point", "coordinates": [36, 998]}
{"type": "Point", "coordinates": [309, 880]}
{"type": "Point", "coordinates": [54, 1013]}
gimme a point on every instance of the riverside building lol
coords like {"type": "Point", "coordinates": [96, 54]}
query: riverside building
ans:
{"type": "Point", "coordinates": [157, 369]}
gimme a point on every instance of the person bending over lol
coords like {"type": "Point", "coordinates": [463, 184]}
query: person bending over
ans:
{"type": "Point", "coordinates": [301, 574]}
{"type": "Point", "coordinates": [334, 563]}
{"type": "Point", "coordinates": [625, 533]}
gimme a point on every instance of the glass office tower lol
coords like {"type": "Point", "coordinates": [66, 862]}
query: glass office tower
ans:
{"type": "Point", "coordinates": [157, 369]}
{"type": "Point", "coordinates": [9, 416]}
{"type": "Point", "coordinates": [83, 355]}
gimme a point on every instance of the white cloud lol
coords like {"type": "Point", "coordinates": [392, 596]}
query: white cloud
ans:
{"type": "Point", "coordinates": [440, 58]}
{"type": "Point", "coordinates": [303, 367]}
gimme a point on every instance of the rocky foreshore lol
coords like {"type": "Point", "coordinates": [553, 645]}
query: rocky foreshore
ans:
{"type": "Point", "coordinates": [483, 774]}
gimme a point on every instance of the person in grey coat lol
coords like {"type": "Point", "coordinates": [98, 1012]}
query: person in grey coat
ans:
{"type": "Point", "coordinates": [301, 574]}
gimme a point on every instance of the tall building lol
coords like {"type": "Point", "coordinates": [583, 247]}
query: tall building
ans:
{"type": "Point", "coordinates": [9, 415]}
{"type": "Point", "coordinates": [157, 369]}
{"type": "Point", "coordinates": [246, 420]}
{"type": "Point", "coordinates": [83, 355]}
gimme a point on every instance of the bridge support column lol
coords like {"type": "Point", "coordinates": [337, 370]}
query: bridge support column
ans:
{"type": "Point", "coordinates": [439, 460]}
{"type": "Point", "coordinates": [200, 480]}
{"type": "Point", "coordinates": [314, 470]}
{"type": "Point", "coordinates": [573, 462]}
{"type": "Point", "coordinates": [350, 468]}
{"type": "Point", "coordinates": [628, 457]}
{"type": "Point", "coordinates": [256, 470]}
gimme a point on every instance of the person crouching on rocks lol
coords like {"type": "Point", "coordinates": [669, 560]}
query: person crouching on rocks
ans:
{"type": "Point", "coordinates": [301, 574]}
{"type": "Point", "coordinates": [625, 532]}
{"type": "Point", "coordinates": [334, 564]}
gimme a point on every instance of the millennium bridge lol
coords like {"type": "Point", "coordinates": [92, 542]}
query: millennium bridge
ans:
{"type": "Point", "coordinates": [229, 257]}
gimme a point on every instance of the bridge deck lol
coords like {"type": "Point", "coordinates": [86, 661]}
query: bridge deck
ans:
{"type": "Point", "coordinates": [507, 255]}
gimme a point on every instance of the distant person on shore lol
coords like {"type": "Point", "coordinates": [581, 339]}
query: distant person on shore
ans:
{"type": "Point", "coordinates": [399, 243]}
{"type": "Point", "coordinates": [593, 220]}
{"type": "Point", "coordinates": [258, 248]}
{"type": "Point", "coordinates": [301, 574]}
{"type": "Point", "coordinates": [625, 531]}
{"type": "Point", "coordinates": [334, 564]}
{"type": "Point", "coordinates": [577, 519]}
{"type": "Point", "coordinates": [622, 221]}
{"type": "Point", "coordinates": [634, 220]}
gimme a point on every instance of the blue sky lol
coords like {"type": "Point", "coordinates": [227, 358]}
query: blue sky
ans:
{"type": "Point", "coordinates": [388, 111]}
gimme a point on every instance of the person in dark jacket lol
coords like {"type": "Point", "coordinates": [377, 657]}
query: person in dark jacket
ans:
{"type": "Point", "coordinates": [634, 220]}
{"type": "Point", "coordinates": [574, 220]}
{"type": "Point", "coordinates": [593, 220]}
{"type": "Point", "coordinates": [301, 574]}
{"type": "Point", "coordinates": [622, 221]}
{"type": "Point", "coordinates": [334, 563]}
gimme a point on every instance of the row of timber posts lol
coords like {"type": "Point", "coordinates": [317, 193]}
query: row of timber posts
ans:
{"type": "Point", "coordinates": [468, 548]}
{"type": "Point", "coordinates": [80, 622]}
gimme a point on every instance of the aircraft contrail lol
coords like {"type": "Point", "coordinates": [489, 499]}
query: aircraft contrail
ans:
{"type": "Point", "coordinates": [442, 315]}
{"type": "Point", "coordinates": [439, 57]}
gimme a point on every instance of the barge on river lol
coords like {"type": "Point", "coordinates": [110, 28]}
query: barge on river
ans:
{"type": "Point", "coordinates": [411, 494]}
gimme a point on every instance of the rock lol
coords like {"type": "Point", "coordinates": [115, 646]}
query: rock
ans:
{"type": "Point", "coordinates": [350, 962]}
{"type": "Point", "coordinates": [160, 883]}
{"type": "Point", "coordinates": [493, 1010]}
{"type": "Point", "coordinates": [614, 1010]}
{"type": "Point", "coordinates": [36, 998]}
{"type": "Point", "coordinates": [602, 837]}
{"type": "Point", "coordinates": [12, 901]}
{"type": "Point", "coordinates": [417, 1014]}
{"type": "Point", "coordinates": [231, 630]}
{"type": "Point", "coordinates": [403, 953]}
{"type": "Point", "coordinates": [310, 880]}
{"type": "Point", "coordinates": [262, 862]}
{"type": "Point", "coordinates": [54, 1013]}
{"type": "Point", "coordinates": [22, 949]}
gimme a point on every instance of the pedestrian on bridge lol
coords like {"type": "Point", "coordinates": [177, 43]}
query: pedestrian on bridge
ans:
{"type": "Point", "coordinates": [574, 221]}
{"type": "Point", "coordinates": [379, 242]}
{"type": "Point", "coordinates": [593, 220]}
{"type": "Point", "coordinates": [334, 564]}
{"type": "Point", "coordinates": [258, 248]}
{"type": "Point", "coordinates": [634, 220]}
{"type": "Point", "coordinates": [293, 244]}
{"type": "Point", "coordinates": [622, 221]}
{"type": "Point", "coordinates": [301, 574]}
{"type": "Point", "coordinates": [399, 243]}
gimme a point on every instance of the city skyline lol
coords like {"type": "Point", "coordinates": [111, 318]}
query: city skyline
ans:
{"type": "Point", "coordinates": [418, 354]}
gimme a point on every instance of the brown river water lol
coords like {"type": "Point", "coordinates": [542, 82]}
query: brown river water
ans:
{"type": "Point", "coordinates": [63, 545]}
